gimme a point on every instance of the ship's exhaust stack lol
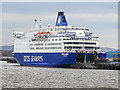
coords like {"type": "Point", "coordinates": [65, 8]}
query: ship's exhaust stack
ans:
{"type": "Point", "coordinates": [61, 20]}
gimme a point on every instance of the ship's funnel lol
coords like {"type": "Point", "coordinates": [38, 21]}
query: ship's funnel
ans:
{"type": "Point", "coordinates": [61, 20]}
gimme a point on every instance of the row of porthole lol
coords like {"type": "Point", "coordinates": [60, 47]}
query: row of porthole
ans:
{"type": "Point", "coordinates": [54, 39]}
{"type": "Point", "coordinates": [47, 48]}
{"type": "Point", "coordinates": [46, 44]}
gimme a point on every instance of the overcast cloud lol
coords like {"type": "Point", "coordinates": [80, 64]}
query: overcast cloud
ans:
{"type": "Point", "coordinates": [100, 18]}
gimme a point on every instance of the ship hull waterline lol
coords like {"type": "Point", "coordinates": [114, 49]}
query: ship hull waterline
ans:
{"type": "Point", "coordinates": [46, 59]}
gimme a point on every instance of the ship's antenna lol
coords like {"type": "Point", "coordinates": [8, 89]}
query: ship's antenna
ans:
{"type": "Point", "coordinates": [40, 23]}
{"type": "Point", "coordinates": [48, 25]}
{"type": "Point", "coordinates": [36, 24]}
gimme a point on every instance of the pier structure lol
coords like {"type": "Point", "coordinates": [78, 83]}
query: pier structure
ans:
{"type": "Point", "coordinates": [89, 57]}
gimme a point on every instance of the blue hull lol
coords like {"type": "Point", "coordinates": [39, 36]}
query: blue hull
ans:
{"type": "Point", "coordinates": [46, 59]}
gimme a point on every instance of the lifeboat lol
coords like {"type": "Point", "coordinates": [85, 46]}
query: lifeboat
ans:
{"type": "Point", "coordinates": [42, 33]}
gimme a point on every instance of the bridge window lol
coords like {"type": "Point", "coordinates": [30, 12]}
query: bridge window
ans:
{"type": "Point", "coordinates": [37, 44]}
{"type": "Point", "coordinates": [39, 47]}
{"type": "Point", "coordinates": [52, 47]}
{"type": "Point", "coordinates": [59, 39]}
{"type": "Point", "coordinates": [32, 48]}
{"type": "Point", "coordinates": [79, 43]}
{"type": "Point", "coordinates": [31, 44]}
{"type": "Point", "coordinates": [54, 43]}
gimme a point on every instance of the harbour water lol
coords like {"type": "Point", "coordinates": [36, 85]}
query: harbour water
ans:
{"type": "Point", "coordinates": [15, 76]}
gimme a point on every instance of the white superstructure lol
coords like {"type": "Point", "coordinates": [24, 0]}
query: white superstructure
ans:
{"type": "Point", "coordinates": [56, 39]}
{"type": "Point", "coordinates": [61, 38]}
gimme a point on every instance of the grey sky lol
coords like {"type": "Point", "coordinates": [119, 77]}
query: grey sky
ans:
{"type": "Point", "coordinates": [100, 18]}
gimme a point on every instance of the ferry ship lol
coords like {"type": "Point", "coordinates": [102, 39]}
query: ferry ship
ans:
{"type": "Point", "coordinates": [56, 46]}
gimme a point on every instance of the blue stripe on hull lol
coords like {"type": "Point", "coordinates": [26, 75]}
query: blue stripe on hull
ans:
{"type": "Point", "coordinates": [45, 59]}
